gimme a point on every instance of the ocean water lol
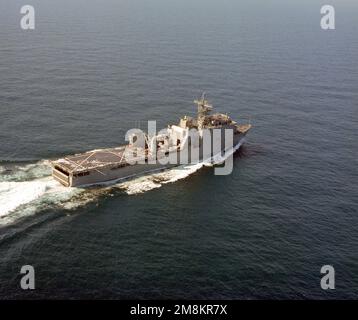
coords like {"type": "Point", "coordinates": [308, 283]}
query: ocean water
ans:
{"type": "Point", "coordinates": [93, 69]}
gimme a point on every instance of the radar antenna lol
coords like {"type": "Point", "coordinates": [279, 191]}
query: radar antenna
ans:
{"type": "Point", "coordinates": [204, 109]}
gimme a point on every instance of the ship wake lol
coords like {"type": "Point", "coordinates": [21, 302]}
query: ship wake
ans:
{"type": "Point", "coordinates": [156, 180]}
{"type": "Point", "coordinates": [26, 189]}
{"type": "Point", "coordinates": [153, 181]}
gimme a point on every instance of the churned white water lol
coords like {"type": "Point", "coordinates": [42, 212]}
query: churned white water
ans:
{"type": "Point", "coordinates": [15, 194]}
{"type": "Point", "coordinates": [27, 189]}
{"type": "Point", "coordinates": [153, 181]}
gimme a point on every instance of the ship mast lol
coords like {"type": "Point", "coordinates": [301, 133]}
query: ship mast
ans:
{"type": "Point", "coordinates": [204, 109]}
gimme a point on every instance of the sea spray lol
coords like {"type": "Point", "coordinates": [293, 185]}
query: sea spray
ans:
{"type": "Point", "coordinates": [153, 181]}
{"type": "Point", "coordinates": [27, 189]}
{"type": "Point", "coordinates": [25, 172]}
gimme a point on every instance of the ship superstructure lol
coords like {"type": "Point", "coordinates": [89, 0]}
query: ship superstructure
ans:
{"type": "Point", "coordinates": [146, 153]}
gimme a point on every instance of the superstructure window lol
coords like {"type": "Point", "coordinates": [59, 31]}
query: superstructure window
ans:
{"type": "Point", "coordinates": [119, 166]}
{"type": "Point", "coordinates": [82, 174]}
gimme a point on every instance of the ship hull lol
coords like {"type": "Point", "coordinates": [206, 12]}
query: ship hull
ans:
{"type": "Point", "coordinates": [113, 175]}
{"type": "Point", "coordinates": [109, 176]}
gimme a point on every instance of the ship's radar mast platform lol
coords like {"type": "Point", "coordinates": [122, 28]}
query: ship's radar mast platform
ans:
{"type": "Point", "coordinates": [204, 109]}
{"type": "Point", "coordinates": [203, 104]}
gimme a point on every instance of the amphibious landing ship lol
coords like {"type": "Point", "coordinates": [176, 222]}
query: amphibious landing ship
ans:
{"type": "Point", "coordinates": [147, 153]}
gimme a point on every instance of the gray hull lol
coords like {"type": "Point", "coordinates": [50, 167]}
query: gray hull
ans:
{"type": "Point", "coordinates": [110, 175]}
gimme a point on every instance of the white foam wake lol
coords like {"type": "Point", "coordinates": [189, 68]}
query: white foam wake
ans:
{"type": "Point", "coordinates": [21, 172]}
{"type": "Point", "coordinates": [153, 181]}
{"type": "Point", "coordinates": [26, 189]}
{"type": "Point", "coordinates": [156, 180]}
{"type": "Point", "coordinates": [15, 194]}
{"type": "Point", "coordinates": [20, 199]}
{"type": "Point", "coordinates": [18, 187]}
